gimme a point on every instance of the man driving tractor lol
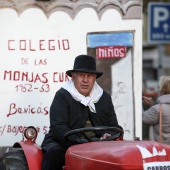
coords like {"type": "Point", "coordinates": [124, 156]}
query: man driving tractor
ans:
{"type": "Point", "coordinates": [81, 102]}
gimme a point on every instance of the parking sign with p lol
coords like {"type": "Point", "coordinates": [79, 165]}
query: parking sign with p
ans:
{"type": "Point", "coordinates": [159, 22]}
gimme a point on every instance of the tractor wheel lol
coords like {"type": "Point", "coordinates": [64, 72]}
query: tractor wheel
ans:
{"type": "Point", "coordinates": [14, 160]}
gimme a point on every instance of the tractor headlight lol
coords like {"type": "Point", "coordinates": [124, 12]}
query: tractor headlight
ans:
{"type": "Point", "coordinates": [30, 133]}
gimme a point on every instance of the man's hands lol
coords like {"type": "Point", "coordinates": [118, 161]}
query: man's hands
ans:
{"type": "Point", "coordinates": [106, 135]}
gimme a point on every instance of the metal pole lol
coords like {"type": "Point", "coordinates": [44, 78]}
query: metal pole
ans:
{"type": "Point", "coordinates": [160, 59]}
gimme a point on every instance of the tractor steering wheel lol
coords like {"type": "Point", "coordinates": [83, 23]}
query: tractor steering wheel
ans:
{"type": "Point", "coordinates": [118, 133]}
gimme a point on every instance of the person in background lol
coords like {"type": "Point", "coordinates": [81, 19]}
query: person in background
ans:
{"type": "Point", "coordinates": [81, 102]}
{"type": "Point", "coordinates": [151, 115]}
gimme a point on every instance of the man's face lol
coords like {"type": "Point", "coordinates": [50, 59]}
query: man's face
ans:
{"type": "Point", "coordinates": [83, 82]}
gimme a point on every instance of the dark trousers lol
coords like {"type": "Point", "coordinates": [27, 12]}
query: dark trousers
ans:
{"type": "Point", "coordinates": [53, 157]}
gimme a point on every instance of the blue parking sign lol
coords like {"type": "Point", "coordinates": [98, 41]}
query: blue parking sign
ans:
{"type": "Point", "coordinates": [159, 22]}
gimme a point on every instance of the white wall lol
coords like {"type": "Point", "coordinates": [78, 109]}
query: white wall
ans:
{"type": "Point", "coordinates": [69, 39]}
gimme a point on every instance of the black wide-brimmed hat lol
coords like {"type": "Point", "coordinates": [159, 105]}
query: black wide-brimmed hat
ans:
{"type": "Point", "coordinates": [84, 63]}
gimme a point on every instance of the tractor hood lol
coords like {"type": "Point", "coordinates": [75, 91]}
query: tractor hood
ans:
{"type": "Point", "coordinates": [118, 155]}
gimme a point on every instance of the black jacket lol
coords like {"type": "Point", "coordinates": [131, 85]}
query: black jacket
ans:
{"type": "Point", "coordinates": [67, 114]}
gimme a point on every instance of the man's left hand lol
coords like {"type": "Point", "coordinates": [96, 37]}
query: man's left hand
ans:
{"type": "Point", "coordinates": [106, 135]}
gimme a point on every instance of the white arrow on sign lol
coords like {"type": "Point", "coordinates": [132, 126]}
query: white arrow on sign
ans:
{"type": "Point", "coordinates": [165, 27]}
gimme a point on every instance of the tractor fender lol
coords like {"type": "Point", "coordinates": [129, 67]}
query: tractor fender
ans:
{"type": "Point", "coordinates": [33, 153]}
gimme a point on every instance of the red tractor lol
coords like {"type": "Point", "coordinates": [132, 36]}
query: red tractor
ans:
{"type": "Point", "coordinates": [114, 154]}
